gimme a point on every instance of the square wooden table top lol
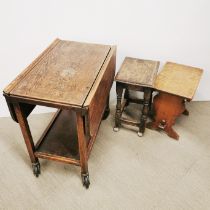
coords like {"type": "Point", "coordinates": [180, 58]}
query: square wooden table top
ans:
{"type": "Point", "coordinates": [178, 79]}
{"type": "Point", "coordinates": [138, 72]}
{"type": "Point", "coordinates": [63, 73]}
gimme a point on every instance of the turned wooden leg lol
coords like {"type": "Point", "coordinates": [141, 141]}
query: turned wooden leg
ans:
{"type": "Point", "coordinates": [107, 109]}
{"type": "Point", "coordinates": [82, 150]}
{"type": "Point", "coordinates": [28, 138]}
{"type": "Point", "coordinates": [127, 96]}
{"type": "Point", "coordinates": [145, 111]}
{"type": "Point", "coordinates": [150, 102]}
{"type": "Point", "coordinates": [150, 114]}
{"type": "Point", "coordinates": [119, 90]}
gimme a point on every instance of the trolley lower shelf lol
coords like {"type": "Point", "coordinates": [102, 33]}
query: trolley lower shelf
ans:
{"type": "Point", "coordinates": [59, 141]}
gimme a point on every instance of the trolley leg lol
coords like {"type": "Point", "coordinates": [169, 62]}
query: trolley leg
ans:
{"type": "Point", "coordinates": [107, 109]}
{"type": "Point", "coordinates": [28, 138]}
{"type": "Point", "coordinates": [82, 150]}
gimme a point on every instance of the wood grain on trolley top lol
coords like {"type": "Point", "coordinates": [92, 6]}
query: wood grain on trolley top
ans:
{"type": "Point", "coordinates": [65, 73]}
{"type": "Point", "coordinates": [138, 72]}
{"type": "Point", "coordinates": [178, 79]}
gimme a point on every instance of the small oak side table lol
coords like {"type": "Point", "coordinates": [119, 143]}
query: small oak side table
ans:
{"type": "Point", "coordinates": [176, 84]}
{"type": "Point", "coordinates": [139, 75]}
{"type": "Point", "coordinates": [76, 79]}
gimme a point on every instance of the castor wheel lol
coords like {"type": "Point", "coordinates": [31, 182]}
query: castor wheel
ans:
{"type": "Point", "coordinates": [106, 114]}
{"type": "Point", "coordinates": [85, 180]}
{"type": "Point", "coordinates": [115, 129]}
{"type": "Point", "coordinates": [36, 169]}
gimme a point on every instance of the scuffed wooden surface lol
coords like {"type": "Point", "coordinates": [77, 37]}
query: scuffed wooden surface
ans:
{"type": "Point", "coordinates": [12, 85]}
{"type": "Point", "coordinates": [65, 73]}
{"type": "Point", "coordinates": [178, 79]}
{"type": "Point", "coordinates": [99, 100]}
{"type": "Point", "coordinates": [138, 72]}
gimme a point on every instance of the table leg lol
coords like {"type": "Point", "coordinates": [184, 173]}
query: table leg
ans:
{"type": "Point", "coordinates": [119, 91]}
{"type": "Point", "coordinates": [145, 111]}
{"type": "Point", "coordinates": [107, 109]}
{"type": "Point", "coordinates": [82, 149]}
{"type": "Point", "coordinates": [22, 120]}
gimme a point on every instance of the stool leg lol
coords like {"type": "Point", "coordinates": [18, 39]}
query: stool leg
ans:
{"type": "Point", "coordinates": [150, 103]}
{"type": "Point", "coordinates": [127, 97]}
{"type": "Point", "coordinates": [145, 111]}
{"type": "Point", "coordinates": [170, 131]}
{"type": "Point", "coordinates": [119, 91]}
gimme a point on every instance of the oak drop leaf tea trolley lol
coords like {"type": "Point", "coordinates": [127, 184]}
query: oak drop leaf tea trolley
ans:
{"type": "Point", "coordinates": [75, 78]}
{"type": "Point", "coordinates": [138, 75]}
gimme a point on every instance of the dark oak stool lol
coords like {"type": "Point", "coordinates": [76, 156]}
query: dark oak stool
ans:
{"type": "Point", "coordinates": [139, 75]}
{"type": "Point", "coordinates": [176, 84]}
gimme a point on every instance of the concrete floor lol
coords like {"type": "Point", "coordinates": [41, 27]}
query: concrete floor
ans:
{"type": "Point", "coordinates": [126, 171]}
